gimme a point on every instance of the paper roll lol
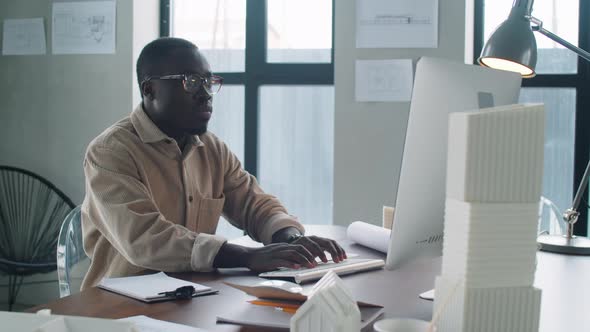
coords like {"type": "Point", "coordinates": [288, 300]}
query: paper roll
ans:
{"type": "Point", "coordinates": [368, 235]}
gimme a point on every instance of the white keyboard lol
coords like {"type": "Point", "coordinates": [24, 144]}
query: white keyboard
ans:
{"type": "Point", "coordinates": [348, 266]}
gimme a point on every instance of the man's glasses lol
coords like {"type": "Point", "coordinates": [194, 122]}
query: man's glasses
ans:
{"type": "Point", "coordinates": [193, 82]}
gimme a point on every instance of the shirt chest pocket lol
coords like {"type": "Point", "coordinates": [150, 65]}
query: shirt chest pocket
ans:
{"type": "Point", "coordinates": [210, 210]}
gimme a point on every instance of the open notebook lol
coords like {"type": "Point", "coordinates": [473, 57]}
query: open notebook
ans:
{"type": "Point", "coordinates": [351, 265]}
{"type": "Point", "coordinates": [146, 288]}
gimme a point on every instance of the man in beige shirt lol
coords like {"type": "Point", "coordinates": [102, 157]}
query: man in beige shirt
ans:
{"type": "Point", "coordinates": [158, 181]}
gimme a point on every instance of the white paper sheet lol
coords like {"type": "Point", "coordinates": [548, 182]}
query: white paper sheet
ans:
{"type": "Point", "coordinates": [368, 235]}
{"type": "Point", "coordinates": [147, 324]}
{"type": "Point", "coordinates": [384, 80]}
{"type": "Point", "coordinates": [397, 24]}
{"type": "Point", "coordinates": [83, 27]}
{"type": "Point", "coordinates": [23, 37]}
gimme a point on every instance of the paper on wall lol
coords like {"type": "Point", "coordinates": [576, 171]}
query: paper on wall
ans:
{"type": "Point", "coordinates": [397, 24]}
{"type": "Point", "coordinates": [83, 27]}
{"type": "Point", "coordinates": [384, 80]}
{"type": "Point", "coordinates": [23, 37]}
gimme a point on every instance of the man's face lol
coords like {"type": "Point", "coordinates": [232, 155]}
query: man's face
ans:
{"type": "Point", "coordinates": [182, 111]}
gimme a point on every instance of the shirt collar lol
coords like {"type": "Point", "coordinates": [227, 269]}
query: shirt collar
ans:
{"type": "Point", "coordinates": [150, 133]}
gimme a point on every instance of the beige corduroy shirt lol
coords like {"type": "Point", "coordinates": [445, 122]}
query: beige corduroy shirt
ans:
{"type": "Point", "coordinates": [149, 206]}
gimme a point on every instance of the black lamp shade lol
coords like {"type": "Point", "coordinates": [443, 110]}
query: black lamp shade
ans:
{"type": "Point", "coordinates": [512, 46]}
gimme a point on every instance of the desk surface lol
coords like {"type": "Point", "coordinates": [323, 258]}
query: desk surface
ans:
{"type": "Point", "coordinates": [562, 278]}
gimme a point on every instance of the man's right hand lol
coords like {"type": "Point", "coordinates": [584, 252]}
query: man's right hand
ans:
{"type": "Point", "coordinates": [267, 258]}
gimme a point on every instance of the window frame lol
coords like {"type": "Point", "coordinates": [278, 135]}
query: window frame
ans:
{"type": "Point", "coordinates": [258, 72]}
{"type": "Point", "coordinates": [579, 81]}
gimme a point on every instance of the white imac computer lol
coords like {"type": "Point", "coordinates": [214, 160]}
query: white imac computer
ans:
{"type": "Point", "coordinates": [440, 87]}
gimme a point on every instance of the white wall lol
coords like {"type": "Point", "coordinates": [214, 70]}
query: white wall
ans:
{"type": "Point", "coordinates": [52, 106]}
{"type": "Point", "coordinates": [369, 137]}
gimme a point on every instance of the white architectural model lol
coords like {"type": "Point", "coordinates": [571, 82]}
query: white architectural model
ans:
{"type": "Point", "coordinates": [329, 308]}
{"type": "Point", "coordinates": [494, 177]}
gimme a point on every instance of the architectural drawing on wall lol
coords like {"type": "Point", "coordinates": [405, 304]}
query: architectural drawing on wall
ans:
{"type": "Point", "coordinates": [397, 24]}
{"type": "Point", "coordinates": [84, 27]}
{"type": "Point", "coordinates": [383, 80]}
{"type": "Point", "coordinates": [23, 37]}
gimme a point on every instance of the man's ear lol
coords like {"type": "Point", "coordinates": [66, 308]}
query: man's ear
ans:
{"type": "Point", "coordinates": [147, 90]}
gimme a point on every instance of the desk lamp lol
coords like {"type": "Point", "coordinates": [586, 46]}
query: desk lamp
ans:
{"type": "Point", "coordinates": [513, 47]}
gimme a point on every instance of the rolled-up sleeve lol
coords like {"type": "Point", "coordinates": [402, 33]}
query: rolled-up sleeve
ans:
{"type": "Point", "coordinates": [120, 206]}
{"type": "Point", "coordinates": [248, 206]}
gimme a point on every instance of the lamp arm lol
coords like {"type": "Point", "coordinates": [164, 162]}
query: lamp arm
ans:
{"type": "Point", "coordinates": [581, 189]}
{"type": "Point", "coordinates": [539, 27]}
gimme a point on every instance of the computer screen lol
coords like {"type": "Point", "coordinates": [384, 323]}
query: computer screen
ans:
{"type": "Point", "coordinates": [440, 88]}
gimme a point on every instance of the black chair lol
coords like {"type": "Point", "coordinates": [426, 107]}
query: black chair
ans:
{"type": "Point", "coordinates": [31, 212]}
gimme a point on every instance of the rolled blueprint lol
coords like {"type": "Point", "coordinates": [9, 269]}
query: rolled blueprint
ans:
{"type": "Point", "coordinates": [368, 235]}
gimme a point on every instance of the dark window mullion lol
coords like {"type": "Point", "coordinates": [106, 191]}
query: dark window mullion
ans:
{"type": "Point", "coordinates": [232, 78]}
{"type": "Point", "coordinates": [582, 135]}
{"type": "Point", "coordinates": [552, 80]}
{"type": "Point", "coordinates": [478, 34]}
{"type": "Point", "coordinates": [165, 18]}
{"type": "Point", "coordinates": [255, 59]}
{"type": "Point", "coordinates": [289, 73]}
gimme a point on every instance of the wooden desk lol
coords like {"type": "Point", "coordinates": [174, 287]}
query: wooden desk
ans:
{"type": "Point", "coordinates": [563, 280]}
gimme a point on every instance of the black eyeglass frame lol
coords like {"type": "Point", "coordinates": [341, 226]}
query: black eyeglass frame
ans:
{"type": "Point", "coordinates": [205, 82]}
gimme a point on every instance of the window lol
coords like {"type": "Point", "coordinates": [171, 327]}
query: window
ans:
{"type": "Point", "coordinates": [276, 109]}
{"type": "Point", "coordinates": [563, 84]}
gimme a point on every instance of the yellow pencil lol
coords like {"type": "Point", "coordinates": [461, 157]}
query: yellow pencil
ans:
{"type": "Point", "coordinates": [290, 308]}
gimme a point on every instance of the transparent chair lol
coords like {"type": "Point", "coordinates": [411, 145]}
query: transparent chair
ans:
{"type": "Point", "coordinates": [72, 262]}
{"type": "Point", "coordinates": [31, 211]}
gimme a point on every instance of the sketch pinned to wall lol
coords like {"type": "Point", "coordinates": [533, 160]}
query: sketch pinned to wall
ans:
{"type": "Point", "coordinates": [23, 37]}
{"type": "Point", "coordinates": [397, 24]}
{"type": "Point", "coordinates": [384, 80]}
{"type": "Point", "coordinates": [83, 27]}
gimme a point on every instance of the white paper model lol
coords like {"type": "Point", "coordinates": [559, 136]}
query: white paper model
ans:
{"type": "Point", "coordinates": [494, 178]}
{"type": "Point", "coordinates": [330, 307]}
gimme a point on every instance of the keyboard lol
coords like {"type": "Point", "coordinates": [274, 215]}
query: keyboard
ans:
{"type": "Point", "coordinates": [351, 265]}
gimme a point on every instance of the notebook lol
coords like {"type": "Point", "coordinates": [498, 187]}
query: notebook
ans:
{"type": "Point", "coordinates": [351, 265]}
{"type": "Point", "coordinates": [146, 288]}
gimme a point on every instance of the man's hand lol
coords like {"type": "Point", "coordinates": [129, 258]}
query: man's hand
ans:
{"type": "Point", "coordinates": [314, 244]}
{"type": "Point", "coordinates": [301, 252]}
{"type": "Point", "coordinates": [267, 258]}
{"type": "Point", "coordinates": [273, 256]}
{"type": "Point", "coordinates": [318, 245]}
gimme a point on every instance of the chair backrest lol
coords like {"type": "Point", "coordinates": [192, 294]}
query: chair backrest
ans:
{"type": "Point", "coordinates": [31, 211]}
{"type": "Point", "coordinates": [72, 262]}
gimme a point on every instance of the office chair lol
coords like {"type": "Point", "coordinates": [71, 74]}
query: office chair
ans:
{"type": "Point", "coordinates": [31, 210]}
{"type": "Point", "coordinates": [72, 262]}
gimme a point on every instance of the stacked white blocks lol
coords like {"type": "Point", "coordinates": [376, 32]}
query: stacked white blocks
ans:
{"type": "Point", "coordinates": [494, 179]}
{"type": "Point", "coordinates": [329, 307]}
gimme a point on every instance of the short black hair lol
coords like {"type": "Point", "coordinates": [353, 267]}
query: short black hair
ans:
{"type": "Point", "coordinates": [155, 53]}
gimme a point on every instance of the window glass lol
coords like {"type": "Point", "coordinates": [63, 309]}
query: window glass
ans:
{"type": "Point", "coordinates": [558, 173]}
{"type": "Point", "coordinates": [558, 16]}
{"type": "Point", "coordinates": [227, 123]}
{"type": "Point", "coordinates": [296, 150]}
{"type": "Point", "coordinates": [217, 27]}
{"type": "Point", "coordinates": [299, 31]}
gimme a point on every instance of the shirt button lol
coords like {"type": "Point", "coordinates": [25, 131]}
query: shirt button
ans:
{"type": "Point", "coordinates": [190, 198]}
